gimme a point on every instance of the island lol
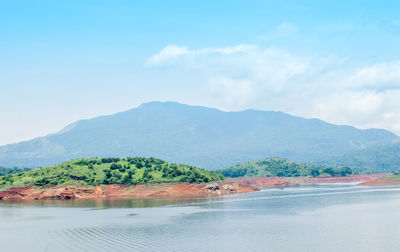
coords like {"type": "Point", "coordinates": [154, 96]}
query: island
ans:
{"type": "Point", "coordinates": [115, 178]}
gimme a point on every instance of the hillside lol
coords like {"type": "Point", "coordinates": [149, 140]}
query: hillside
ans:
{"type": "Point", "coordinates": [96, 171]}
{"type": "Point", "coordinates": [280, 167]}
{"type": "Point", "coordinates": [200, 136]}
{"type": "Point", "coordinates": [380, 158]}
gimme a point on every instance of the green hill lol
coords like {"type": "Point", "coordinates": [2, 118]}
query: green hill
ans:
{"type": "Point", "coordinates": [280, 167]}
{"type": "Point", "coordinates": [97, 171]}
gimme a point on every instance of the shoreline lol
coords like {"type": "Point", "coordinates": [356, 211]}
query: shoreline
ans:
{"type": "Point", "coordinates": [181, 190]}
{"type": "Point", "coordinates": [117, 191]}
{"type": "Point", "coordinates": [294, 181]}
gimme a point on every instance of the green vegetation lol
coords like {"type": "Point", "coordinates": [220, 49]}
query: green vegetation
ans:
{"type": "Point", "coordinates": [98, 171]}
{"type": "Point", "coordinates": [280, 167]}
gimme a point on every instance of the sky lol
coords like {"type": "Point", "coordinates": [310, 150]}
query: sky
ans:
{"type": "Point", "coordinates": [66, 60]}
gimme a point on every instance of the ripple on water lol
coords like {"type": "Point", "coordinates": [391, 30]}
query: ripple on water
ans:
{"type": "Point", "coordinates": [108, 239]}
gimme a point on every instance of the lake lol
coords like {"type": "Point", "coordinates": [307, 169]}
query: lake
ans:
{"type": "Point", "coordinates": [331, 217]}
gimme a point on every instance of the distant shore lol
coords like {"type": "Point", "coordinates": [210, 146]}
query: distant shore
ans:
{"type": "Point", "coordinates": [389, 180]}
{"type": "Point", "coordinates": [293, 181]}
{"type": "Point", "coordinates": [116, 191]}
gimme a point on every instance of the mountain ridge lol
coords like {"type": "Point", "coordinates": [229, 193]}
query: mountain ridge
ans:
{"type": "Point", "coordinates": [201, 136]}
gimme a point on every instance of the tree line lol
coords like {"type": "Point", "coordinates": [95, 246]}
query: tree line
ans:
{"type": "Point", "coordinates": [280, 167]}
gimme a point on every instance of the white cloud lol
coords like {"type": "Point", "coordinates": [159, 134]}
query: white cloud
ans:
{"type": "Point", "coordinates": [248, 60]}
{"type": "Point", "coordinates": [173, 52]}
{"type": "Point", "coordinates": [167, 54]}
{"type": "Point", "coordinates": [248, 76]}
{"type": "Point", "coordinates": [366, 109]}
{"type": "Point", "coordinates": [232, 91]}
{"type": "Point", "coordinates": [341, 105]}
{"type": "Point", "coordinates": [379, 76]}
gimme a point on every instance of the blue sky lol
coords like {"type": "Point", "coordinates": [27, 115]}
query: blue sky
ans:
{"type": "Point", "coordinates": [61, 61]}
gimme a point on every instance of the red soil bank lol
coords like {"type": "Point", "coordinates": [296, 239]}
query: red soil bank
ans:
{"type": "Point", "coordinates": [381, 182]}
{"type": "Point", "coordinates": [173, 190]}
{"type": "Point", "coordinates": [265, 182]}
{"type": "Point", "coordinates": [284, 181]}
{"type": "Point", "coordinates": [351, 178]}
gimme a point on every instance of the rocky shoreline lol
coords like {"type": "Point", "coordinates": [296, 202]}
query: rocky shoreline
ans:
{"type": "Point", "coordinates": [115, 191]}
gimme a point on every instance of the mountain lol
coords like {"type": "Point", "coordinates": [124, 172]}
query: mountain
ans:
{"type": "Point", "coordinates": [280, 167]}
{"type": "Point", "coordinates": [200, 136]}
{"type": "Point", "coordinates": [374, 159]}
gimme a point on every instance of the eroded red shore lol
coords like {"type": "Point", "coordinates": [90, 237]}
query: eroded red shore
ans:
{"type": "Point", "coordinates": [182, 190]}
{"type": "Point", "coordinates": [173, 190]}
{"type": "Point", "coordinates": [381, 182]}
{"type": "Point", "coordinates": [286, 181]}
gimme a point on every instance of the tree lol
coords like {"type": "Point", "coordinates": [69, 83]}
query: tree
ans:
{"type": "Point", "coordinates": [126, 179]}
{"type": "Point", "coordinates": [115, 166]}
{"type": "Point", "coordinates": [343, 171]}
{"type": "Point", "coordinates": [329, 171]}
{"type": "Point", "coordinates": [315, 172]}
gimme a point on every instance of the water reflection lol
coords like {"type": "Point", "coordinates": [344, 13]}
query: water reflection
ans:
{"type": "Point", "coordinates": [101, 204]}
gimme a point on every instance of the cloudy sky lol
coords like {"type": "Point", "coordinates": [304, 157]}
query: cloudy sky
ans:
{"type": "Point", "coordinates": [65, 60]}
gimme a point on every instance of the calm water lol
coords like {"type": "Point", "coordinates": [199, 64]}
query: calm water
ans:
{"type": "Point", "coordinates": [306, 218]}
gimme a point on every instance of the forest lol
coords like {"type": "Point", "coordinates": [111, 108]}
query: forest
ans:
{"type": "Point", "coordinates": [281, 167]}
{"type": "Point", "coordinates": [97, 171]}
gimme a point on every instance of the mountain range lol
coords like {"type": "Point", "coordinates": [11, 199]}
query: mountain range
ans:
{"type": "Point", "coordinates": [205, 137]}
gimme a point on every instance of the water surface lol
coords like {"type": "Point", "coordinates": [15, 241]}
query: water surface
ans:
{"type": "Point", "coordinates": [336, 217]}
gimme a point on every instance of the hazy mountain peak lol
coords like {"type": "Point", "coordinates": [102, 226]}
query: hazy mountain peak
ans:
{"type": "Point", "coordinates": [206, 137]}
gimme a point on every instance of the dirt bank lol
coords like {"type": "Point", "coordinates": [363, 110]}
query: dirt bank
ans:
{"type": "Point", "coordinates": [343, 179]}
{"type": "Point", "coordinates": [265, 182]}
{"type": "Point", "coordinates": [292, 181]}
{"type": "Point", "coordinates": [173, 190]}
{"type": "Point", "coordinates": [388, 180]}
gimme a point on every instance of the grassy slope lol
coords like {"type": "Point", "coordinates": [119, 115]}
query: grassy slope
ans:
{"type": "Point", "coordinates": [96, 171]}
{"type": "Point", "coordinates": [280, 167]}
